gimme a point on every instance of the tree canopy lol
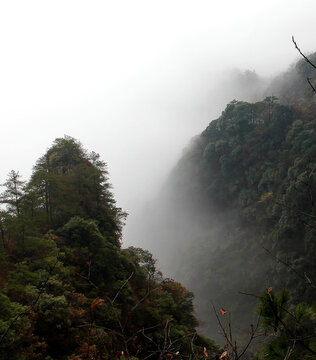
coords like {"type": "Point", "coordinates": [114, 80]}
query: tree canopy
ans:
{"type": "Point", "coordinates": [68, 290]}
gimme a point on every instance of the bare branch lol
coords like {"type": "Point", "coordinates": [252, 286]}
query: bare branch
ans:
{"type": "Point", "coordinates": [299, 50]}
{"type": "Point", "coordinates": [121, 288]}
{"type": "Point", "coordinates": [87, 279]}
{"type": "Point", "coordinates": [221, 325]}
{"type": "Point", "coordinates": [253, 335]}
{"type": "Point", "coordinates": [144, 298]}
{"type": "Point", "coordinates": [310, 84]}
{"type": "Point", "coordinates": [303, 277]}
{"type": "Point", "coordinates": [308, 61]}
{"type": "Point", "coordinates": [231, 343]}
{"type": "Point", "coordinates": [290, 350]}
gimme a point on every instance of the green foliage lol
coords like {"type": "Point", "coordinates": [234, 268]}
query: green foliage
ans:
{"type": "Point", "coordinates": [68, 172]}
{"type": "Point", "coordinates": [12, 196]}
{"type": "Point", "coordinates": [248, 182]}
{"type": "Point", "coordinates": [273, 308]}
{"type": "Point", "coordinates": [289, 327]}
{"type": "Point", "coordinates": [68, 291]}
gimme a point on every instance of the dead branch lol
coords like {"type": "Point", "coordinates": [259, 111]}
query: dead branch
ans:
{"type": "Point", "coordinates": [303, 277]}
{"type": "Point", "coordinates": [231, 343]}
{"type": "Point", "coordinates": [121, 288]}
{"type": "Point", "coordinates": [88, 278]}
{"type": "Point", "coordinates": [224, 333]}
{"type": "Point", "coordinates": [310, 84]}
{"type": "Point", "coordinates": [149, 291]}
{"type": "Point", "coordinates": [307, 60]}
{"type": "Point", "coordinates": [299, 50]}
{"type": "Point", "coordinates": [290, 350]}
{"type": "Point", "coordinates": [253, 335]}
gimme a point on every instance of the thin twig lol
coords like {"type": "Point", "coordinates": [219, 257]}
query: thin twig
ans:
{"type": "Point", "coordinates": [285, 310]}
{"type": "Point", "coordinates": [290, 350]}
{"type": "Point", "coordinates": [310, 84]}
{"type": "Point", "coordinates": [299, 50]}
{"type": "Point", "coordinates": [120, 289]}
{"type": "Point", "coordinates": [308, 61]}
{"type": "Point", "coordinates": [305, 278]}
{"type": "Point", "coordinates": [87, 279]}
{"type": "Point", "coordinates": [221, 326]}
{"type": "Point", "coordinates": [252, 336]}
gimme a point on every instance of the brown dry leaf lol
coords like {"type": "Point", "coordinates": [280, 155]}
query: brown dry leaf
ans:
{"type": "Point", "coordinates": [222, 311]}
{"type": "Point", "coordinates": [96, 302]}
{"type": "Point", "coordinates": [265, 197]}
{"type": "Point", "coordinates": [205, 353]}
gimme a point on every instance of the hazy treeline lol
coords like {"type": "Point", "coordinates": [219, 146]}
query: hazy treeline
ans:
{"type": "Point", "coordinates": [247, 182]}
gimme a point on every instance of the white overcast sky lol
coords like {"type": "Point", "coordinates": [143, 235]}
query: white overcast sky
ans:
{"type": "Point", "coordinates": [131, 79]}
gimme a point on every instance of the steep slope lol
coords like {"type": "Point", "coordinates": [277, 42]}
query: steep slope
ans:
{"type": "Point", "coordinates": [247, 182]}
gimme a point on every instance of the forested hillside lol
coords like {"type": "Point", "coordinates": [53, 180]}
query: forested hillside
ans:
{"type": "Point", "coordinates": [68, 290]}
{"type": "Point", "coordinates": [236, 223]}
{"type": "Point", "coordinates": [238, 216]}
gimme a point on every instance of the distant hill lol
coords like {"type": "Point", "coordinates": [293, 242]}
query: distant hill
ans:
{"type": "Point", "coordinates": [247, 182]}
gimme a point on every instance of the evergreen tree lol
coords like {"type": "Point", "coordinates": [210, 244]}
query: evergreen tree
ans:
{"type": "Point", "coordinates": [69, 290]}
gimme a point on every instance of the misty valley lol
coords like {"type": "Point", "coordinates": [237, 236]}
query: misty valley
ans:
{"type": "Point", "coordinates": [227, 270]}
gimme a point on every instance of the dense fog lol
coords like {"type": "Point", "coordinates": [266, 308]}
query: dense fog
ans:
{"type": "Point", "coordinates": [136, 81]}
